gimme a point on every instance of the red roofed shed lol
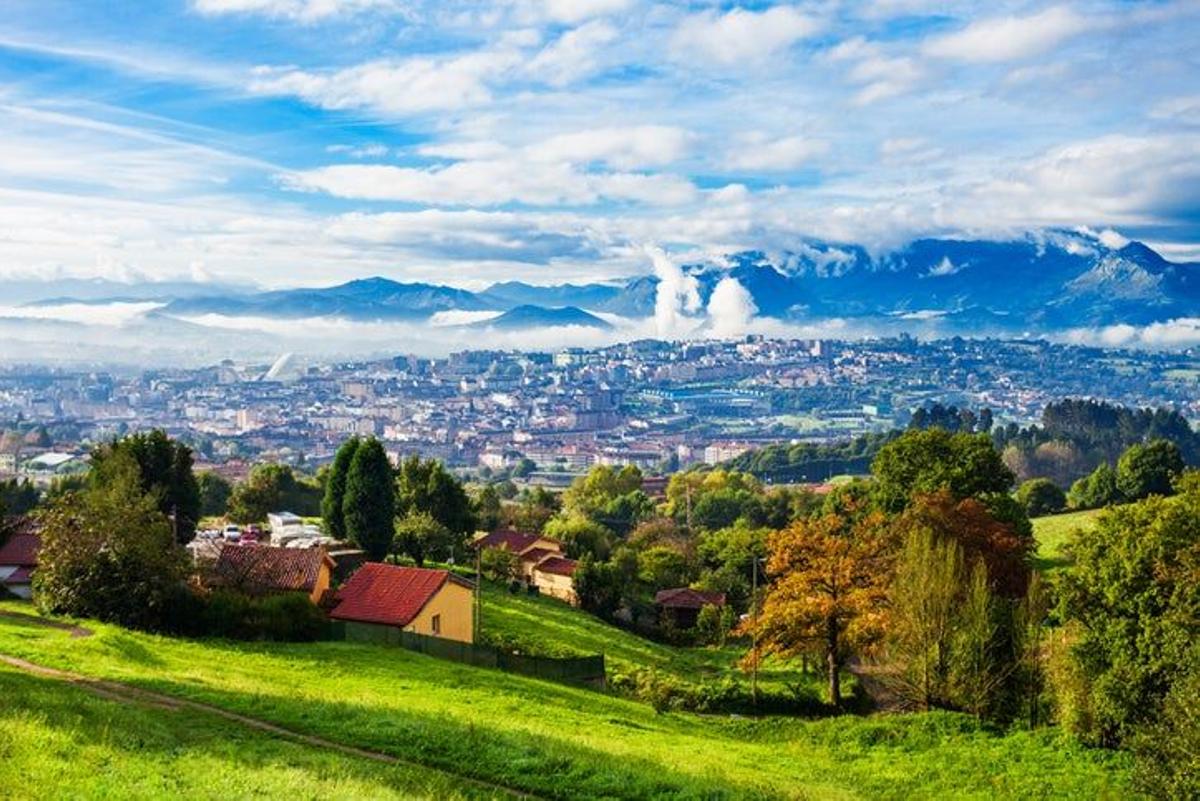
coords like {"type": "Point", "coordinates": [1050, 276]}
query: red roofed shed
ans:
{"type": "Point", "coordinates": [435, 603]}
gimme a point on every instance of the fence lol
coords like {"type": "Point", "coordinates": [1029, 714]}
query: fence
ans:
{"type": "Point", "coordinates": [585, 669]}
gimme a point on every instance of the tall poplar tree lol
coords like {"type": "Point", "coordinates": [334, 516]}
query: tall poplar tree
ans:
{"type": "Point", "coordinates": [369, 505]}
{"type": "Point", "coordinates": [335, 490]}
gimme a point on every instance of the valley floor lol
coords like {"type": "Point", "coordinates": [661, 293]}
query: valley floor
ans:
{"type": "Point", "coordinates": [545, 739]}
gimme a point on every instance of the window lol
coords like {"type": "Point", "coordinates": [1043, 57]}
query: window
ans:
{"type": "Point", "coordinates": [437, 624]}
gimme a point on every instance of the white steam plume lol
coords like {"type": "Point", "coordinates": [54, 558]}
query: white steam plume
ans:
{"type": "Point", "coordinates": [677, 298]}
{"type": "Point", "coordinates": [731, 308]}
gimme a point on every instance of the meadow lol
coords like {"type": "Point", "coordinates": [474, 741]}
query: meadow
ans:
{"type": "Point", "coordinates": [545, 739]}
{"type": "Point", "coordinates": [1053, 532]}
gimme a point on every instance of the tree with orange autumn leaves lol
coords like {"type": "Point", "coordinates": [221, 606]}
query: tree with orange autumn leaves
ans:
{"type": "Point", "coordinates": [828, 590]}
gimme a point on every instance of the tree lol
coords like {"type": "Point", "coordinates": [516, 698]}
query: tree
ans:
{"type": "Point", "coordinates": [272, 488]}
{"type": "Point", "coordinates": [1133, 596]}
{"type": "Point", "coordinates": [969, 523]}
{"type": "Point", "coordinates": [1096, 490]}
{"type": "Point", "coordinates": [534, 509]}
{"type": "Point", "coordinates": [420, 536]}
{"type": "Point", "coordinates": [829, 577]}
{"type": "Point", "coordinates": [108, 552]}
{"type": "Point", "coordinates": [977, 671]}
{"type": "Point", "coordinates": [661, 568]}
{"type": "Point", "coordinates": [921, 462]}
{"type": "Point", "coordinates": [487, 508]}
{"type": "Point", "coordinates": [1041, 496]}
{"type": "Point", "coordinates": [1168, 750]}
{"type": "Point", "coordinates": [924, 595]}
{"type": "Point", "coordinates": [335, 489]}
{"type": "Point", "coordinates": [18, 497]}
{"type": "Point", "coordinates": [165, 472]}
{"type": "Point", "coordinates": [369, 507]}
{"type": "Point", "coordinates": [726, 559]}
{"type": "Point", "coordinates": [580, 535]}
{"type": "Point", "coordinates": [600, 586]}
{"type": "Point", "coordinates": [426, 486]}
{"type": "Point", "coordinates": [500, 564]}
{"type": "Point", "coordinates": [215, 492]}
{"type": "Point", "coordinates": [1149, 469]}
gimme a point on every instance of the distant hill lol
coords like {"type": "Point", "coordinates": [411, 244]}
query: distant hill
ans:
{"type": "Point", "coordinates": [1040, 283]}
{"type": "Point", "coordinates": [541, 317]}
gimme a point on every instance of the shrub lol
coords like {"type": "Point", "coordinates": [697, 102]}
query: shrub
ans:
{"type": "Point", "coordinates": [1041, 496]}
{"type": "Point", "coordinates": [289, 617]}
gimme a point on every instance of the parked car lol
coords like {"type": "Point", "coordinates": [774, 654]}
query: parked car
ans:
{"type": "Point", "coordinates": [233, 533]}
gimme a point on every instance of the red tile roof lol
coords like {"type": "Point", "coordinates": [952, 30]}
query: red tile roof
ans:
{"type": "Point", "coordinates": [265, 568]}
{"type": "Point", "coordinates": [22, 575]}
{"type": "Point", "coordinates": [389, 594]}
{"type": "Point", "coordinates": [20, 549]}
{"type": "Point", "coordinates": [557, 565]}
{"type": "Point", "coordinates": [687, 598]}
{"type": "Point", "coordinates": [515, 541]}
{"type": "Point", "coordinates": [536, 555]}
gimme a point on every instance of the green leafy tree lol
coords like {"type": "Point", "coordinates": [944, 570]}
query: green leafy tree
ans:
{"type": "Point", "coordinates": [335, 489]}
{"type": "Point", "coordinates": [487, 507]}
{"type": "Point", "coordinates": [422, 537]}
{"type": "Point", "coordinates": [580, 535]}
{"type": "Point", "coordinates": [500, 564]}
{"type": "Point", "coordinates": [1168, 750]}
{"type": "Point", "coordinates": [426, 486]}
{"type": "Point", "coordinates": [1041, 496]}
{"type": "Point", "coordinates": [1133, 595]}
{"type": "Point", "coordinates": [369, 507]}
{"type": "Point", "coordinates": [108, 552]}
{"type": "Point", "coordinates": [600, 586]}
{"type": "Point", "coordinates": [922, 462]}
{"type": "Point", "coordinates": [661, 568]}
{"type": "Point", "coordinates": [215, 492]}
{"type": "Point", "coordinates": [523, 468]}
{"type": "Point", "coordinates": [272, 488]}
{"type": "Point", "coordinates": [165, 471]}
{"type": "Point", "coordinates": [1096, 490]}
{"type": "Point", "coordinates": [726, 559]}
{"type": "Point", "coordinates": [1149, 469]}
{"type": "Point", "coordinates": [924, 597]}
{"type": "Point", "coordinates": [18, 497]}
{"type": "Point", "coordinates": [534, 508]}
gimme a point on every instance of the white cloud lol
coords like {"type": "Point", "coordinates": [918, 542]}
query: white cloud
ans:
{"type": "Point", "coordinates": [943, 268]}
{"type": "Point", "coordinates": [371, 151]}
{"type": "Point", "coordinates": [574, 11]}
{"type": "Point", "coordinates": [1009, 38]}
{"type": "Point", "coordinates": [490, 183]}
{"type": "Point", "coordinates": [622, 147]}
{"type": "Point", "coordinates": [740, 36]}
{"type": "Point", "coordinates": [1184, 110]}
{"type": "Point", "coordinates": [677, 297]}
{"type": "Point", "coordinates": [303, 10]}
{"type": "Point", "coordinates": [757, 151]}
{"type": "Point", "coordinates": [573, 55]}
{"type": "Point", "coordinates": [879, 74]}
{"type": "Point", "coordinates": [394, 87]}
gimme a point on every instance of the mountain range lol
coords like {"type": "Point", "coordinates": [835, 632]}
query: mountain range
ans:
{"type": "Point", "coordinates": [1044, 282]}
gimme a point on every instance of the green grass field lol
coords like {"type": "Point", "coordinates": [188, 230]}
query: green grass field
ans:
{"type": "Point", "coordinates": [550, 740]}
{"type": "Point", "coordinates": [58, 741]}
{"type": "Point", "coordinates": [1053, 532]}
{"type": "Point", "coordinates": [548, 627]}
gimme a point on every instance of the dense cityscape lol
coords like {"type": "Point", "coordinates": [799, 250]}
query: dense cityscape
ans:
{"type": "Point", "coordinates": [658, 405]}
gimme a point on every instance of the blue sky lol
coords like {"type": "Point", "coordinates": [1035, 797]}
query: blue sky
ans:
{"type": "Point", "coordinates": [288, 142]}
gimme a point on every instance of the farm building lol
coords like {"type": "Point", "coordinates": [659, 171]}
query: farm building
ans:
{"type": "Point", "coordinates": [543, 564]}
{"type": "Point", "coordinates": [435, 603]}
{"type": "Point", "coordinates": [264, 570]}
{"type": "Point", "coordinates": [18, 558]}
{"type": "Point", "coordinates": [683, 604]}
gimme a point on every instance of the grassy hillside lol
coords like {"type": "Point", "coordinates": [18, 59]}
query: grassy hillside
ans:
{"type": "Point", "coordinates": [540, 625]}
{"type": "Point", "coordinates": [1054, 531]}
{"type": "Point", "coordinates": [565, 742]}
{"type": "Point", "coordinates": [55, 736]}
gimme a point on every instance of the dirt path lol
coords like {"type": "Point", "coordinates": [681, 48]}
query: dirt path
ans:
{"type": "Point", "coordinates": [129, 694]}
{"type": "Point", "coordinates": [76, 631]}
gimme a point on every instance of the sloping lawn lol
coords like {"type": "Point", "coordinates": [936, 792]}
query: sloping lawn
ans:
{"type": "Point", "coordinates": [548, 627]}
{"type": "Point", "coordinates": [1053, 532]}
{"type": "Point", "coordinates": [58, 741]}
{"type": "Point", "coordinates": [566, 742]}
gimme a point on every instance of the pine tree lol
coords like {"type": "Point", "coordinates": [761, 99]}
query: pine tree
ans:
{"type": "Point", "coordinates": [335, 490]}
{"type": "Point", "coordinates": [369, 505]}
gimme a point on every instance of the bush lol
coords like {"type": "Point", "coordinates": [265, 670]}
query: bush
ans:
{"type": "Point", "coordinates": [1168, 751]}
{"type": "Point", "coordinates": [1041, 496]}
{"type": "Point", "coordinates": [289, 617]}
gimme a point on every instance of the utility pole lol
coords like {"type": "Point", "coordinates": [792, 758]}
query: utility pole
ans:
{"type": "Point", "coordinates": [478, 597]}
{"type": "Point", "coordinates": [754, 630]}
